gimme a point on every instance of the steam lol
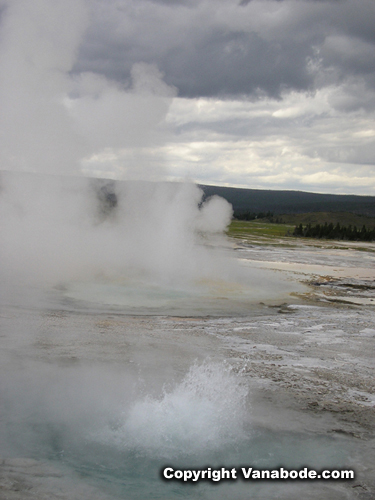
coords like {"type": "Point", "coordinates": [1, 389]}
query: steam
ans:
{"type": "Point", "coordinates": [37, 51]}
{"type": "Point", "coordinates": [54, 121]}
{"type": "Point", "coordinates": [57, 230]}
{"type": "Point", "coordinates": [80, 126]}
{"type": "Point", "coordinates": [84, 198]}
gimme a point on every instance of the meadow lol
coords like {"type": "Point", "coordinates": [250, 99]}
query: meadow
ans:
{"type": "Point", "coordinates": [261, 230]}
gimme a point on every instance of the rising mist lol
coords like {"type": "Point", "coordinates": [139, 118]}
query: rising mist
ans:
{"type": "Point", "coordinates": [60, 131]}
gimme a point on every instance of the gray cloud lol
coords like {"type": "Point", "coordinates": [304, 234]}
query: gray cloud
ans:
{"type": "Point", "coordinates": [219, 48]}
{"type": "Point", "coordinates": [271, 93]}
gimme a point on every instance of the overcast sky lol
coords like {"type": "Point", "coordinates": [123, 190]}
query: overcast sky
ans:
{"type": "Point", "coordinates": [271, 94]}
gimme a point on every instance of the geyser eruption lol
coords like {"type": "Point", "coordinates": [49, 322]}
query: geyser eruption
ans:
{"type": "Point", "coordinates": [203, 413]}
{"type": "Point", "coordinates": [70, 245]}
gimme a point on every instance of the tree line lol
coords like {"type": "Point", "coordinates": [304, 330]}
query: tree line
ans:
{"type": "Point", "coordinates": [257, 215]}
{"type": "Point", "coordinates": [335, 232]}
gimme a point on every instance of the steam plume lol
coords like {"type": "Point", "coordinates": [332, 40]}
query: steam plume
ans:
{"type": "Point", "coordinates": [57, 122]}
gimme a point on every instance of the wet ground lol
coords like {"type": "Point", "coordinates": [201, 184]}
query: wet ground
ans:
{"type": "Point", "coordinates": [96, 399]}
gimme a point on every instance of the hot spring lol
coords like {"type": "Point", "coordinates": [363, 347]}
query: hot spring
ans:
{"type": "Point", "coordinates": [115, 430]}
{"type": "Point", "coordinates": [113, 366]}
{"type": "Point", "coordinates": [135, 248]}
{"type": "Point", "coordinates": [132, 337]}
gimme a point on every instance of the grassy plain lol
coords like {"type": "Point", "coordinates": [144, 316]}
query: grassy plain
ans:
{"type": "Point", "coordinates": [263, 232]}
{"type": "Point", "coordinates": [260, 228]}
{"type": "Point", "coordinates": [263, 227]}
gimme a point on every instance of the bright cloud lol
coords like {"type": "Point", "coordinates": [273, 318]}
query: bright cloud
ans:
{"type": "Point", "coordinates": [267, 94]}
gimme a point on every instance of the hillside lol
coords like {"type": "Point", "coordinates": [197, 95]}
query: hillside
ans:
{"type": "Point", "coordinates": [291, 202]}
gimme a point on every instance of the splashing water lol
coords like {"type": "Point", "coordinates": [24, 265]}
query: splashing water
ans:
{"type": "Point", "coordinates": [204, 412]}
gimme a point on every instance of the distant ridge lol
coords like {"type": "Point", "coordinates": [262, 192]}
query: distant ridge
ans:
{"type": "Point", "coordinates": [249, 200]}
{"type": "Point", "coordinates": [291, 202]}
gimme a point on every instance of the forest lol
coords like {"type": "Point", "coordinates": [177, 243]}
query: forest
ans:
{"type": "Point", "coordinates": [335, 232]}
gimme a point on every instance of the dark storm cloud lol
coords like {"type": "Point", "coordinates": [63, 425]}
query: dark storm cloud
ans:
{"type": "Point", "coordinates": [173, 2]}
{"type": "Point", "coordinates": [208, 48]}
{"type": "Point", "coordinates": [243, 3]}
{"type": "Point", "coordinates": [2, 11]}
{"type": "Point", "coordinates": [237, 63]}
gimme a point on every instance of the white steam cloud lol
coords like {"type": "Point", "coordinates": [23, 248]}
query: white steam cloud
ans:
{"type": "Point", "coordinates": [38, 45]}
{"type": "Point", "coordinates": [58, 229]}
{"type": "Point", "coordinates": [53, 121]}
